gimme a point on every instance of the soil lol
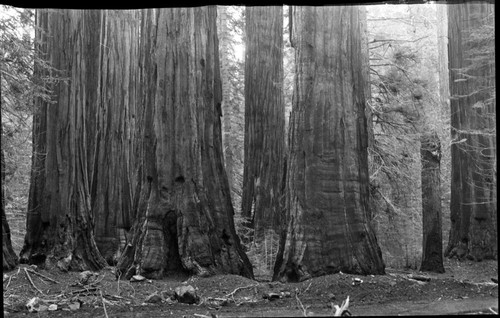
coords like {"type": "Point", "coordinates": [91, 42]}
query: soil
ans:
{"type": "Point", "coordinates": [465, 287]}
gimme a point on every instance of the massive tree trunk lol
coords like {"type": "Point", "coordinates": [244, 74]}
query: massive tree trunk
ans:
{"type": "Point", "coordinates": [432, 252]}
{"type": "Point", "coordinates": [473, 232]}
{"type": "Point", "coordinates": [10, 259]}
{"type": "Point", "coordinates": [115, 169]}
{"type": "Point", "coordinates": [327, 207]}
{"type": "Point", "coordinates": [264, 119]}
{"type": "Point", "coordinates": [59, 223]}
{"type": "Point", "coordinates": [185, 216]}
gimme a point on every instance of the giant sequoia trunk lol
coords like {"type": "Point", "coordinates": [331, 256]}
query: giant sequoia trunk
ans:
{"type": "Point", "coordinates": [59, 223]}
{"type": "Point", "coordinates": [264, 119]}
{"type": "Point", "coordinates": [327, 179]}
{"type": "Point", "coordinates": [115, 170]}
{"type": "Point", "coordinates": [432, 252]}
{"type": "Point", "coordinates": [473, 232]}
{"type": "Point", "coordinates": [185, 216]}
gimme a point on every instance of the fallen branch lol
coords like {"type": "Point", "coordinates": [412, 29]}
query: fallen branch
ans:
{"type": "Point", "coordinates": [31, 281]}
{"type": "Point", "coordinates": [10, 278]}
{"type": "Point", "coordinates": [86, 290]}
{"type": "Point", "coordinates": [43, 276]}
{"type": "Point", "coordinates": [304, 310]}
{"type": "Point", "coordinates": [494, 312]}
{"type": "Point", "coordinates": [103, 304]}
{"type": "Point", "coordinates": [340, 311]}
{"type": "Point", "coordinates": [231, 294]}
{"type": "Point", "coordinates": [420, 278]}
{"type": "Point", "coordinates": [308, 287]}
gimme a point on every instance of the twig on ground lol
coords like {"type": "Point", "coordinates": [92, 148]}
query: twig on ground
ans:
{"type": "Point", "coordinates": [10, 278]}
{"type": "Point", "coordinates": [339, 311]}
{"type": "Point", "coordinates": [31, 281]}
{"type": "Point", "coordinates": [231, 294]}
{"type": "Point", "coordinates": [307, 287]}
{"type": "Point", "coordinates": [85, 290]}
{"type": "Point", "coordinates": [202, 316]}
{"type": "Point", "coordinates": [43, 276]}
{"type": "Point", "coordinates": [304, 310]}
{"type": "Point", "coordinates": [494, 312]}
{"type": "Point", "coordinates": [103, 304]}
{"type": "Point", "coordinates": [119, 272]}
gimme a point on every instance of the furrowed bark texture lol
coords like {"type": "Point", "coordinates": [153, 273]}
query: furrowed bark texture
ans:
{"type": "Point", "coordinates": [432, 251]}
{"type": "Point", "coordinates": [327, 179]}
{"type": "Point", "coordinates": [114, 172]}
{"type": "Point", "coordinates": [473, 232]}
{"type": "Point", "coordinates": [185, 216]}
{"type": "Point", "coordinates": [59, 223]}
{"type": "Point", "coordinates": [227, 114]}
{"type": "Point", "coordinates": [264, 119]}
{"type": "Point", "coordinates": [10, 259]}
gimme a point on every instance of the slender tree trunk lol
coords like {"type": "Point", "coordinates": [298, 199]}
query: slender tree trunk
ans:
{"type": "Point", "coordinates": [114, 172]}
{"type": "Point", "coordinates": [185, 216]}
{"type": "Point", "coordinates": [10, 259]}
{"type": "Point", "coordinates": [264, 119]}
{"type": "Point", "coordinates": [473, 231]}
{"type": "Point", "coordinates": [59, 222]}
{"type": "Point", "coordinates": [327, 179]}
{"type": "Point", "coordinates": [227, 111]}
{"type": "Point", "coordinates": [432, 252]}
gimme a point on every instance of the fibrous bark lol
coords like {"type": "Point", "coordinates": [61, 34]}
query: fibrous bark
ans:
{"type": "Point", "coordinates": [227, 113]}
{"type": "Point", "coordinates": [59, 223]}
{"type": "Point", "coordinates": [264, 119]}
{"type": "Point", "coordinates": [327, 175]}
{"type": "Point", "coordinates": [473, 232]}
{"type": "Point", "coordinates": [185, 218]}
{"type": "Point", "coordinates": [432, 251]}
{"type": "Point", "coordinates": [115, 157]}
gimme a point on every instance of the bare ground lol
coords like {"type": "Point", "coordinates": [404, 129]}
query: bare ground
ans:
{"type": "Point", "coordinates": [466, 287]}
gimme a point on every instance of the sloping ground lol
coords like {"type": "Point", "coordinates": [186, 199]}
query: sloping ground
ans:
{"type": "Point", "coordinates": [465, 287]}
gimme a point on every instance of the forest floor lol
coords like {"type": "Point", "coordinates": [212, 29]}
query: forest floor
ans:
{"type": "Point", "coordinates": [466, 287]}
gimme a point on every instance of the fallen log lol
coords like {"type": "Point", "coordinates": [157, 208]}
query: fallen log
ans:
{"type": "Point", "coordinates": [420, 278]}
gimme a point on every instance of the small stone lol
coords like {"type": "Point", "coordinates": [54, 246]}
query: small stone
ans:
{"type": "Point", "coordinates": [74, 306]}
{"type": "Point", "coordinates": [153, 298]}
{"type": "Point", "coordinates": [186, 294]}
{"type": "Point", "coordinates": [53, 307]}
{"type": "Point", "coordinates": [168, 294]}
{"type": "Point", "coordinates": [331, 296]}
{"type": "Point", "coordinates": [392, 283]}
{"type": "Point", "coordinates": [137, 278]}
{"type": "Point", "coordinates": [42, 308]}
{"type": "Point", "coordinates": [84, 277]}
